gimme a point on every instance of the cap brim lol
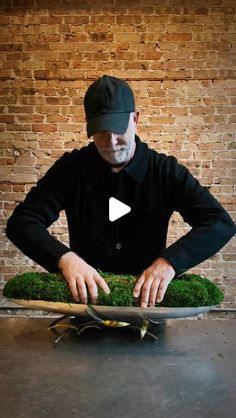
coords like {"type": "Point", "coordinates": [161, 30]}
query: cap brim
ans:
{"type": "Point", "coordinates": [113, 122]}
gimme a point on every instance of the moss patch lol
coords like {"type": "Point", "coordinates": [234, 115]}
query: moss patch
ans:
{"type": "Point", "coordinates": [188, 290]}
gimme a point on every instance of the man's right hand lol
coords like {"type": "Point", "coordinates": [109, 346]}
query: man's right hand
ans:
{"type": "Point", "coordinates": [81, 275]}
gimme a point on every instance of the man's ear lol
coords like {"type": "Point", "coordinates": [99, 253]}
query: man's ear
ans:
{"type": "Point", "coordinates": [136, 117]}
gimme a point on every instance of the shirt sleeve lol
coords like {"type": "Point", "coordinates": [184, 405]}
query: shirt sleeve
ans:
{"type": "Point", "coordinates": [27, 226]}
{"type": "Point", "coordinates": [212, 227]}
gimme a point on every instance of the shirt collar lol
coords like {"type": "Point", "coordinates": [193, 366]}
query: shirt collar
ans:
{"type": "Point", "coordinates": [136, 167]}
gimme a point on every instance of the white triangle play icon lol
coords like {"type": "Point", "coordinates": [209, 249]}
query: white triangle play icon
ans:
{"type": "Point", "coordinates": [117, 209]}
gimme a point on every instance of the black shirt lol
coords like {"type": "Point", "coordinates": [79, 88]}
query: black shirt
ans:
{"type": "Point", "coordinates": [152, 184]}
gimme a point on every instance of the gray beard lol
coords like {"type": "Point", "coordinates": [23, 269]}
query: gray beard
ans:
{"type": "Point", "coordinates": [119, 157]}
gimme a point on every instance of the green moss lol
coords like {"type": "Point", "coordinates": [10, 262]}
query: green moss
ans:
{"type": "Point", "coordinates": [188, 290]}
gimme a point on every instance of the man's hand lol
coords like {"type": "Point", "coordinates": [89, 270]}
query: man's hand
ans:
{"type": "Point", "coordinates": [154, 282]}
{"type": "Point", "coordinates": [78, 274]}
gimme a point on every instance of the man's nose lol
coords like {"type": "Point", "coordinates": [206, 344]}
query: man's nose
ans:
{"type": "Point", "coordinates": [113, 138]}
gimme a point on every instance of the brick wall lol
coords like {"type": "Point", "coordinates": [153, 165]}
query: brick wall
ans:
{"type": "Point", "coordinates": [178, 56]}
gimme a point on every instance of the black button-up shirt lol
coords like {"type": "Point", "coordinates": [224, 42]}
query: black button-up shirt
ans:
{"type": "Point", "coordinates": [152, 184]}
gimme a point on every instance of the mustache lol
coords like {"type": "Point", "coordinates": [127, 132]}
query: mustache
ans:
{"type": "Point", "coordinates": [114, 149]}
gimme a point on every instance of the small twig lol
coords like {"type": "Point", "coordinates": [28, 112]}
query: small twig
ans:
{"type": "Point", "coordinates": [90, 311]}
{"type": "Point", "coordinates": [58, 320]}
{"type": "Point", "coordinates": [87, 326]}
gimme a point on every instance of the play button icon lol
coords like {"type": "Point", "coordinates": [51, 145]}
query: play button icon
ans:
{"type": "Point", "coordinates": [117, 209]}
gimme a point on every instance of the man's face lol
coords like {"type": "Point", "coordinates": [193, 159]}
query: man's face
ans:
{"type": "Point", "coordinates": [117, 148]}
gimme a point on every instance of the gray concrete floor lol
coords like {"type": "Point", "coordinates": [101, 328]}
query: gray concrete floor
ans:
{"type": "Point", "coordinates": [189, 372]}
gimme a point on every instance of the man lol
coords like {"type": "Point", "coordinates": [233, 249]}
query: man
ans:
{"type": "Point", "coordinates": [117, 164]}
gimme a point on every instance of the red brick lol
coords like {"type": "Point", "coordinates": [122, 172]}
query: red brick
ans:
{"type": "Point", "coordinates": [9, 270]}
{"type": "Point", "coordinates": [18, 127]}
{"type": "Point", "coordinates": [29, 118]}
{"type": "Point", "coordinates": [44, 128]}
{"type": "Point", "coordinates": [179, 37]}
{"type": "Point", "coordinates": [6, 118]}
{"type": "Point", "coordinates": [18, 187]}
{"type": "Point", "coordinates": [58, 101]}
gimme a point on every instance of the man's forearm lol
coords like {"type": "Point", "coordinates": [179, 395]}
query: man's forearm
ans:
{"type": "Point", "coordinates": [34, 240]}
{"type": "Point", "coordinates": [199, 244]}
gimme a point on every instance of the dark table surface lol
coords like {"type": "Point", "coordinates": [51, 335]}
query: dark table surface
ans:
{"type": "Point", "coordinates": [188, 372]}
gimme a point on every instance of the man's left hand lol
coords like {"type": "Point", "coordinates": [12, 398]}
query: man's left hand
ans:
{"type": "Point", "coordinates": [154, 282]}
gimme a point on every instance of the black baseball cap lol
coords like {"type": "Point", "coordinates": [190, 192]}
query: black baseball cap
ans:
{"type": "Point", "coordinates": [108, 103]}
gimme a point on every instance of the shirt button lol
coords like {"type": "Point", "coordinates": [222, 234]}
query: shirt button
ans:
{"type": "Point", "coordinates": [118, 245]}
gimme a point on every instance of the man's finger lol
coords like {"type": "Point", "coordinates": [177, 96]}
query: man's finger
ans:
{"type": "Point", "coordinates": [101, 283]}
{"type": "Point", "coordinates": [73, 288]}
{"type": "Point", "coordinates": [93, 290]}
{"type": "Point", "coordinates": [153, 292]}
{"type": "Point", "coordinates": [162, 290]}
{"type": "Point", "coordinates": [138, 285]}
{"type": "Point", "coordinates": [82, 290]}
{"type": "Point", "coordinates": [146, 292]}
{"type": "Point", "coordinates": [153, 280]}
